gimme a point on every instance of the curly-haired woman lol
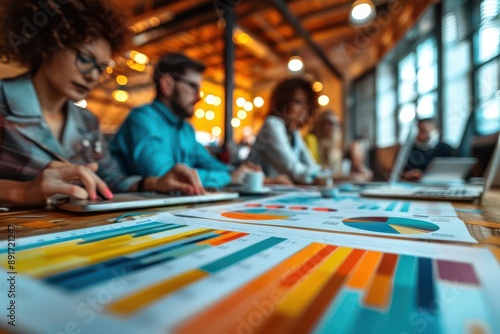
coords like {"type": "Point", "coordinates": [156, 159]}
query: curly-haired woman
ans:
{"type": "Point", "coordinates": [279, 147]}
{"type": "Point", "coordinates": [67, 46]}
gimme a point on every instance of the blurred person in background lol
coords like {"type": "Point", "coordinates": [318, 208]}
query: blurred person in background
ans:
{"type": "Point", "coordinates": [428, 145]}
{"type": "Point", "coordinates": [156, 136]}
{"type": "Point", "coordinates": [279, 147]}
{"type": "Point", "coordinates": [325, 142]}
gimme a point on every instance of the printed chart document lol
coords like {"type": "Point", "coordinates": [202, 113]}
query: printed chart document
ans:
{"type": "Point", "coordinates": [349, 213]}
{"type": "Point", "coordinates": [167, 274]}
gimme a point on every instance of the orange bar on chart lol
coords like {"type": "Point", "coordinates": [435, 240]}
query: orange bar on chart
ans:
{"type": "Point", "coordinates": [222, 239]}
{"type": "Point", "coordinates": [379, 291]}
{"type": "Point", "coordinates": [365, 270]}
{"type": "Point", "coordinates": [259, 295]}
{"type": "Point", "coordinates": [142, 298]}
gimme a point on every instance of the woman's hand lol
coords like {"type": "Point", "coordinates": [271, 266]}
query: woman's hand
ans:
{"type": "Point", "coordinates": [66, 179]}
{"type": "Point", "coordinates": [179, 178]}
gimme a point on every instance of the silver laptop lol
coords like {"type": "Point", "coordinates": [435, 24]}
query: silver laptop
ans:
{"type": "Point", "coordinates": [448, 170]}
{"type": "Point", "coordinates": [138, 200]}
{"type": "Point", "coordinates": [451, 193]}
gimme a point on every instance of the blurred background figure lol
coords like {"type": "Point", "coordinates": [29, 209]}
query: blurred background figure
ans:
{"type": "Point", "coordinates": [279, 147]}
{"type": "Point", "coordinates": [358, 153]}
{"type": "Point", "coordinates": [325, 142]}
{"type": "Point", "coordinates": [428, 145]}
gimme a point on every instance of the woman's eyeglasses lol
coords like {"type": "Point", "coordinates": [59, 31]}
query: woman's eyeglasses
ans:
{"type": "Point", "coordinates": [85, 63]}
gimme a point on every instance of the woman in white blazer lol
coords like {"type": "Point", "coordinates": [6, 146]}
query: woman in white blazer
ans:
{"type": "Point", "coordinates": [279, 147]}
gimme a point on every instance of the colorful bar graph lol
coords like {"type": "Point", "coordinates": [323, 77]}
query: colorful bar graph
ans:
{"type": "Point", "coordinates": [263, 293]}
{"type": "Point", "coordinates": [253, 282]}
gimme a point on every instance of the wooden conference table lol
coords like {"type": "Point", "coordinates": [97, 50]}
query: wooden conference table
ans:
{"type": "Point", "coordinates": [482, 219]}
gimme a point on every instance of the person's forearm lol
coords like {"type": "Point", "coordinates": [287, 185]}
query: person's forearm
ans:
{"type": "Point", "coordinates": [12, 192]}
{"type": "Point", "coordinates": [149, 184]}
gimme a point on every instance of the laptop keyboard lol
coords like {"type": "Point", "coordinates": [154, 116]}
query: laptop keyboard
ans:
{"type": "Point", "coordinates": [446, 192]}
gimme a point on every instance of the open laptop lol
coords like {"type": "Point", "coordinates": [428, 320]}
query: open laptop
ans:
{"type": "Point", "coordinates": [397, 169]}
{"type": "Point", "coordinates": [448, 170]}
{"type": "Point", "coordinates": [450, 193]}
{"type": "Point", "coordinates": [138, 200]}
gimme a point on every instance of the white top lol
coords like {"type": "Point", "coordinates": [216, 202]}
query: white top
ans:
{"type": "Point", "coordinates": [274, 152]}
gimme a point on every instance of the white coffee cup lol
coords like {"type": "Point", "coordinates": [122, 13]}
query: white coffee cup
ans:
{"type": "Point", "coordinates": [253, 181]}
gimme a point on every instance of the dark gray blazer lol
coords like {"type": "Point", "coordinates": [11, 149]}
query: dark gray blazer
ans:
{"type": "Point", "coordinates": [27, 145]}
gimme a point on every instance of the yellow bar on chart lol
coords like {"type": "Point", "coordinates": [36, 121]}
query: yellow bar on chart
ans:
{"type": "Point", "coordinates": [52, 266]}
{"type": "Point", "coordinates": [298, 299]}
{"type": "Point", "coordinates": [132, 303]}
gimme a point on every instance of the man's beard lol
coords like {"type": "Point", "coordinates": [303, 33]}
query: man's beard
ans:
{"type": "Point", "coordinates": [179, 110]}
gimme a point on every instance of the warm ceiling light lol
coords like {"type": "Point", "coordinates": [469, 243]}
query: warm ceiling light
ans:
{"type": "Point", "coordinates": [199, 113]}
{"type": "Point", "coordinates": [210, 115]}
{"type": "Point", "coordinates": [248, 106]}
{"type": "Point", "coordinates": [235, 122]}
{"type": "Point", "coordinates": [121, 80]}
{"type": "Point", "coordinates": [362, 12]}
{"type": "Point", "coordinates": [317, 86]}
{"type": "Point", "coordinates": [258, 102]}
{"type": "Point", "coordinates": [323, 100]}
{"type": "Point", "coordinates": [139, 58]}
{"type": "Point", "coordinates": [120, 95]}
{"type": "Point", "coordinates": [295, 64]}
{"type": "Point", "coordinates": [242, 38]}
{"type": "Point", "coordinates": [136, 66]}
{"type": "Point", "coordinates": [217, 101]}
{"type": "Point", "coordinates": [242, 114]}
{"type": "Point", "coordinates": [210, 99]}
{"type": "Point", "coordinates": [216, 131]}
{"type": "Point", "coordinates": [240, 101]}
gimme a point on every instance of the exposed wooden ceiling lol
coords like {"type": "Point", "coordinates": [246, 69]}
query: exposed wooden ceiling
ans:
{"type": "Point", "coordinates": [196, 27]}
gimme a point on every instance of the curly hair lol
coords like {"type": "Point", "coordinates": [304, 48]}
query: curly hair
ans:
{"type": "Point", "coordinates": [284, 92]}
{"type": "Point", "coordinates": [33, 30]}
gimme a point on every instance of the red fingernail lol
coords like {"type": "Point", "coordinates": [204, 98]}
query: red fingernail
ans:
{"type": "Point", "coordinates": [108, 193]}
{"type": "Point", "coordinates": [93, 196]}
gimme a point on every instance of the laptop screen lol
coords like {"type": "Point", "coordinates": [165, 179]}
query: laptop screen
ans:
{"type": "Point", "coordinates": [403, 155]}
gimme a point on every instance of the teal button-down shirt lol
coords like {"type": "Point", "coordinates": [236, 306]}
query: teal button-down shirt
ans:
{"type": "Point", "coordinates": [152, 140]}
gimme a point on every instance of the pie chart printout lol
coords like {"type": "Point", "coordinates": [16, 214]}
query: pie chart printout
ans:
{"type": "Point", "coordinates": [394, 225]}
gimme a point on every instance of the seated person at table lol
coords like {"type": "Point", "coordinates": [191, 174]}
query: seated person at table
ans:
{"type": "Point", "coordinates": [427, 147]}
{"type": "Point", "coordinates": [156, 136]}
{"type": "Point", "coordinates": [324, 141]}
{"type": "Point", "coordinates": [39, 123]}
{"type": "Point", "coordinates": [279, 147]}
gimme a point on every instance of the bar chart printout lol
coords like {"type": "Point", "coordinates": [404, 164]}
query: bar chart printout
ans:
{"type": "Point", "coordinates": [167, 274]}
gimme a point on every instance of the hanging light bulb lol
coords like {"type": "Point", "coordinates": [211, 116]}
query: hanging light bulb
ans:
{"type": "Point", "coordinates": [295, 64]}
{"type": "Point", "coordinates": [362, 12]}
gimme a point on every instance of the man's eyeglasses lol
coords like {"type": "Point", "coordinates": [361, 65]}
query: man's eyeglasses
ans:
{"type": "Point", "coordinates": [85, 63]}
{"type": "Point", "coordinates": [193, 85]}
